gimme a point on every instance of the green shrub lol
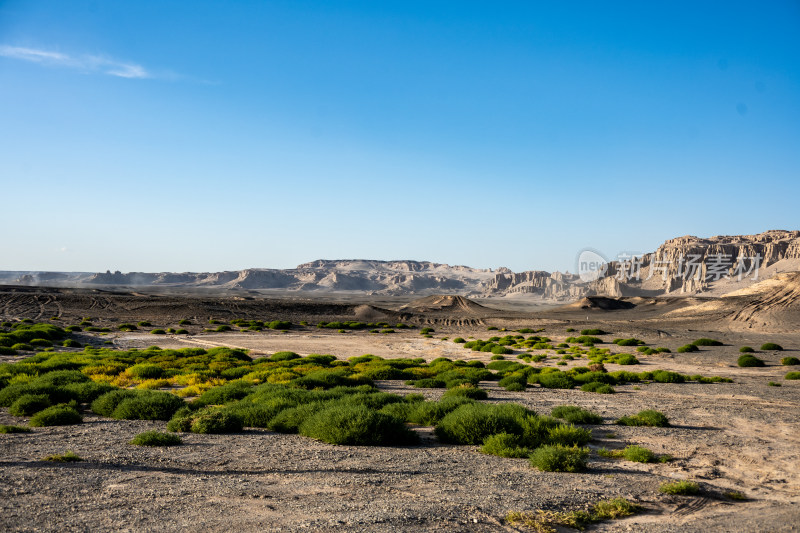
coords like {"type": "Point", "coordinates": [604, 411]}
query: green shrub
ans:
{"type": "Point", "coordinates": [613, 509]}
{"type": "Point", "coordinates": [184, 322]}
{"type": "Point", "coordinates": [29, 404]}
{"type": "Point", "coordinates": [688, 348]}
{"type": "Point", "coordinates": [59, 378]}
{"type": "Point", "coordinates": [356, 425]}
{"type": "Point", "coordinates": [514, 382]}
{"type": "Point", "coordinates": [279, 324]}
{"type": "Point", "coordinates": [459, 340]}
{"type": "Point", "coordinates": [638, 454]}
{"type": "Point", "coordinates": [504, 445]}
{"type": "Point", "coordinates": [223, 327]}
{"type": "Point", "coordinates": [593, 332]}
{"type": "Point", "coordinates": [628, 342]}
{"type": "Point", "coordinates": [145, 371]}
{"type": "Point", "coordinates": [748, 360]}
{"type": "Point", "coordinates": [558, 458]}
{"type": "Point", "coordinates": [771, 347]}
{"type": "Point", "coordinates": [792, 375]}
{"type": "Point", "coordinates": [223, 394]}
{"type": "Point", "coordinates": [556, 380]}
{"type": "Point", "coordinates": [599, 388]}
{"type": "Point", "coordinates": [57, 415]}
{"type": "Point", "coordinates": [707, 342]}
{"type": "Point", "coordinates": [283, 356]}
{"type": "Point", "coordinates": [790, 361]}
{"type": "Point", "coordinates": [426, 331]}
{"type": "Point", "coordinates": [156, 438]}
{"type": "Point", "coordinates": [158, 331]}
{"type": "Point", "coordinates": [144, 324]}
{"type": "Point", "coordinates": [664, 376]}
{"type": "Point", "coordinates": [289, 420]}
{"type": "Point", "coordinates": [647, 417]}
{"type": "Point", "coordinates": [466, 391]}
{"type": "Point", "coordinates": [627, 359]}
{"type": "Point", "coordinates": [746, 349]}
{"type": "Point", "coordinates": [89, 391]}
{"type": "Point", "coordinates": [4, 350]}
{"type": "Point", "coordinates": [430, 413]}
{"type": "Point", "coordinates": [685, 488]}
{"type": "Point", "coordinates": [127, 327]}
{"type": "Point", "coordinates": [576, 415]}
{"type": "Point", "coordinates": [208, 420]}
{"type": "Point", "coordinates": [568, 435]}
{"type": "Point", "coordinates": [13, 429]}
{"type": "Point", "coordinates": [427, 383]}
{"type": "Point", "coordinates": [105, 404]}
{"type": "Point", "coordinates": [148, 405]}
{"type": "Point", "coordinates": [499, 352]}
{"type": "Point", "coordinates": [71, 343]}
{"type": "Point", "coordinates": [773, 384]}
{"type": "Point", "coordinates": [69, 457]}
{"type": "Point", "coordinates": [259, 415]}
{"type": "Point", "coordinates": [472, 423]}
{"type": "Point", "coordinates": [21, 346]}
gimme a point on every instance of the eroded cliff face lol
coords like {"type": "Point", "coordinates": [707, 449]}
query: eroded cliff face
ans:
{"type": "Point", "coordinates": [685, 265]}
{"type": "Point", "coordinates": [681, 266]}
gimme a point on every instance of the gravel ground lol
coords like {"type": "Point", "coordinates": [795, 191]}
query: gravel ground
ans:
{"type": "Point", "coordinates": [260, 480]}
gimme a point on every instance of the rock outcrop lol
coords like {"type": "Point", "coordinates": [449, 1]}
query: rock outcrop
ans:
{"type": "Point", "coordinates": [682, 266]}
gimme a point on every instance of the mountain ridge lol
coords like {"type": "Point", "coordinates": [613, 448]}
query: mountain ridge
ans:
{"type": "Point", "coordinates": [661, 273]}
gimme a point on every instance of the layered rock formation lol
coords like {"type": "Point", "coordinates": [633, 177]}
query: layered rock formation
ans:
{"type": "Point", "coordinates": [681, 266]}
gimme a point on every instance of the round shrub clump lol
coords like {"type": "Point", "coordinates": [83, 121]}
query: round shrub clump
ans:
{"type": "Point", "coordinates": [748, 360]}
{"type": "Point", "coordinates": [156, 438]}
{"type": "Point", "coordinates": [148, 405]}
{"type": "Point", "coordinates": [558, 458]}
{"type": "Point", "coordinates": [599, 388]}
{"type": "Point", "coordinates": [638, 454]}
{"type": "Point", "coordinates": [466, 391]}
{"type": "Point", "coordinates": [771, 347]}
{"type": "Point", "coordinates": [356, 425]}
{"type": "Point", "coordinates": [146, 371]}
{"type": "Point", "coordinates": [57, 415]}
{"type": "Point", "coordinates": [208, 420]}
{"type": "Point", "coordinates": [576, 415]}
{"type": "Point", "coordinates": [472, 423]}
{"type": "Point", "coordinates": [685, 488]}
{"type": "Point", "coordinates": [790, 361]}
{"type": "Point", "coordinates": [105, 404]}
{"type": "Point", "coordinates": [746, 349]}
{"type": "Point", "coordinates": [29, 404]}
{"type": "Point", "coordinates": [504, 445]}
{"type": "Point", "coordinates": [556, 380]}
{"type": "Point", "coordinates": [707, 342]}
{"type": "Point", "coordinates": [792, 375]}
{"type": "Point", "coordinates": [648, 417]}
{"type": "Point", "coordinates": [283, 356]}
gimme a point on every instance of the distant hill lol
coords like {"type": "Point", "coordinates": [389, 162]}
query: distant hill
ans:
{"type": "Point", "coordinates": [660, 274]}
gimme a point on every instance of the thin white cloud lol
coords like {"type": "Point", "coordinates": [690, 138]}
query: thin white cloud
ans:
{"type": "Point", "coordinates": [86, 63]}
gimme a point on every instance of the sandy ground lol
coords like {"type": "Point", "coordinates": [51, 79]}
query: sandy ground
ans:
{"type": "Point", "coordinates": [742, 436]}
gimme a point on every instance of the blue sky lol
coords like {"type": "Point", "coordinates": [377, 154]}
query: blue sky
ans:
{"type": "Point", "coordinates": [149, 136]}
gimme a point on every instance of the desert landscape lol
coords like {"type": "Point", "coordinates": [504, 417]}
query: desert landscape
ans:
{"type": "Point", "coordinates": [383, 267]}
{"type": "Point", "coordinates": [401, 439]}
